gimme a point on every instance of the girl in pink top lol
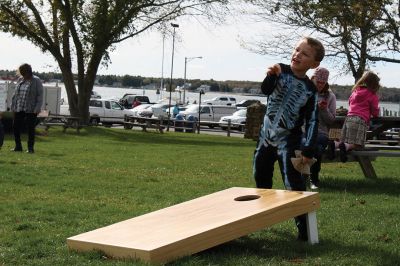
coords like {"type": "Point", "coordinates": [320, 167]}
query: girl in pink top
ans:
{"type": "Point", "coordinates": [363, 104]}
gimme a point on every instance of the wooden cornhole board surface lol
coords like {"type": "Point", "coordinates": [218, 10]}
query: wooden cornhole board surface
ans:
{"type": "Point", "coordinates": [196, 225]}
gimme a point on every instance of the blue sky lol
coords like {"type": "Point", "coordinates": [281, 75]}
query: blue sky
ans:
{"type": "Point", "coordinates": [223, 58]}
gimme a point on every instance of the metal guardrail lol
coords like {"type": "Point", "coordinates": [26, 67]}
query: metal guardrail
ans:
{"type": "Point", "coordinates": [183, 125]}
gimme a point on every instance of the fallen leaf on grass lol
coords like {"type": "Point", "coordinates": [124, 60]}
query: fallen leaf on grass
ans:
{"type": "Point", "coordinates": [384, 238]}
{"type": "Point", "coordinates": [296, 261]}
{"type": "Point", "coordinates": [361, 201]}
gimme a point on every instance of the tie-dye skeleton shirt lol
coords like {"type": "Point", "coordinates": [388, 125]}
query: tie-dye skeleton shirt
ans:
{"type": "Point", "coordinates": [292, 102]}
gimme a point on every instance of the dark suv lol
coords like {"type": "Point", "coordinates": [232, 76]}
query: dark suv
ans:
{"type": "Point", "coordinates": [246, 103]}
{"type": "Point", "coordinates": [128, 99]}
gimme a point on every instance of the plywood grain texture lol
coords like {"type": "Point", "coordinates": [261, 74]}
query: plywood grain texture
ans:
{"type": "Point", "coordinates": [196, 225]}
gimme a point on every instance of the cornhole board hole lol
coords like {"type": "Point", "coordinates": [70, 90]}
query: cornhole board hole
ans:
{"type": "Point", "coordinates": [199, 224]}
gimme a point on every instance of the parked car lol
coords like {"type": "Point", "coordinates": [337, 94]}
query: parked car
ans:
{"type": "Point", "coordinates": [246, 103]}
{"type": "Point", "coordinates": [212, 113]}
{"type": "Point", "coordinates": [147, 112]}
{"type": "Point", "coordinates": [95, 95]}
{"type": "Point", "coordinates": [221, 100]}
{"type": "Point", "coordinates": [390, 134]}
{"type": "Point", "coordinates": [238, 120]}
{"type": "Point", "coordinates": [163, 112]}
{"type": "Point", "coordinates": [160, 110]}
{"type": "Point", "coordinates": [128, 99]}
{"type": "Point", "coordinates": [136, 110]}
{"type": "Point", "coordinates": [154, 110]}
{"type": "Point", "coordinates": [107, 112]}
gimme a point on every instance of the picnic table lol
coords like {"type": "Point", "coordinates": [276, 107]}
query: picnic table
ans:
{"type": "Point", "coordinates": [60, 120]}
{"type": "Point", "coordinates": [371, 152]}
{"type": "Point", "coordinates": [144, 123]}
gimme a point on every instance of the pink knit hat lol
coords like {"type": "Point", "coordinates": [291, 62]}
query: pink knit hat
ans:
{"type": "Point", "coordinates": [321, 74]}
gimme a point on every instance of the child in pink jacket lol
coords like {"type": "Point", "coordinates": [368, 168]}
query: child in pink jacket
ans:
{"type": "Point", "coordinates": [363, 104]}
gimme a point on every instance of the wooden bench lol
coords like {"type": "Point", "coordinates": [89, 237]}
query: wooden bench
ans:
{"type": "Point", "coordinates": [366, 156]}
{"type": "Point", "coordinates": [382, 147]}
{"type": "Point", "coordinates": [48, 120]}
{"type": "Point", "coordinates": [391, 142]}
{"type": "Point", "coordinates": [144, 123]}
{"type": "Point", "coordinates": [196, 225]}
{"type": "Point", "coordinates": [144, 126]}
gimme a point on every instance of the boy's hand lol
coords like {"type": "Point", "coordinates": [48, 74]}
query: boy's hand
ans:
{"type": "Point", "coordinates": [306, 160]}
{"type": "Point", "coordinates": [274, 70]}
{"type": "Point", "coordinates": [322, 104]}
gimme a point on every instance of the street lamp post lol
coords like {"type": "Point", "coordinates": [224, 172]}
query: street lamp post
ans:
{"type": "Point", "coordinates": [162, 68]}
{"type": "Point", "coordinates": [200, 93]}
{"type": "Point", "coordinates": [187, 59]}
{"type": "Point", "coordinates": [172, 68]}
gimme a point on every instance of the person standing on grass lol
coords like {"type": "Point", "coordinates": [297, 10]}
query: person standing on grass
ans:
{"type": "Point", "coordinates": [363, 104]}
{"type": "Point", "coordinates": [292, 101]}
{"type": "Point", "coordinates": [326, 117]}
{"type": "Point", "coordinates": [26, 104]}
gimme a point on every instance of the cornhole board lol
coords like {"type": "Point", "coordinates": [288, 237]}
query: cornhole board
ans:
{"type": "Point", "coordinates": [199, 224]}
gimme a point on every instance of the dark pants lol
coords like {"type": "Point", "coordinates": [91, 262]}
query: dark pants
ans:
{"type": "Point", "coordinates": [263, 170]}
{"type": "Point", "coordinates": [322, 142]}
{"type": "Point", "coordinates": [29, 119]}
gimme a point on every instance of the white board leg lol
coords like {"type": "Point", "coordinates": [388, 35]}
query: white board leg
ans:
{"type": "Point", "coordinates": [312, 229]}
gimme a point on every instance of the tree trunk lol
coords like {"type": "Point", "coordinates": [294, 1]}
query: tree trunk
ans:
{"type": "Point", "coordinates": [70, 88]}
{"type": "Point", "coordinates": [78, 100]}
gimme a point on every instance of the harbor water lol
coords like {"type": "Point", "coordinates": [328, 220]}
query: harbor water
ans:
{"type": "Point", "coordinates": [117, 93]}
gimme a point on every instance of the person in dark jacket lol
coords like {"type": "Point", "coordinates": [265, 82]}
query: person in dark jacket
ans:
{"type": "Point", "coordinates": [26, 104]}
{"type": "Point", "coordinates": [292, 99]}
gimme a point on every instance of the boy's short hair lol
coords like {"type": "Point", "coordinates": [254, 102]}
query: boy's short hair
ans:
{"type": "Point", "coordinates": [318, 47]}
{"type": "Point", "coordinates": [25, 69]}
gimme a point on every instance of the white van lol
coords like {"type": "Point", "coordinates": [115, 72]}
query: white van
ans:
{"type": "Point", "coordinates": [212, 113]}
{"type": "Point", "coordinates": [221, 100]}
{"type": "Point", "coordinates": [51, 97]}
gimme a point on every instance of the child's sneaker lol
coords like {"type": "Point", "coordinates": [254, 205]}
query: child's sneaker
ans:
{"type": "Point", "coordinates": [313, 186]}
{"type": "Point", "coordinates": [343, 152]}
{"type": "Point", "coordinates": [331, 150]}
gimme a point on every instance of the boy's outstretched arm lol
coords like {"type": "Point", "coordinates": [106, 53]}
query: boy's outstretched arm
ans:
{"type": "Point", "coordinates": [269, 83]}
{"type": "Point", "coordinates": [274, 70]}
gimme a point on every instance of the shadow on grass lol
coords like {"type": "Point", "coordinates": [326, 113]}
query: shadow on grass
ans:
{"type": "Point", "coordinates": [155, 137]}
{"type": "Point", "coordinates": [284, 248]}
{"type": "Point", "coordinates": [362, 186]}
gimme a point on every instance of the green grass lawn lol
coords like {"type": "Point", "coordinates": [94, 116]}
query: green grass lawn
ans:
{"type": "Point", "coordinates": [79, 182]}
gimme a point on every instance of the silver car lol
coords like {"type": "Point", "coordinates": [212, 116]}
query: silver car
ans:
{"type": "Point", "coordinates": [237, 119]}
